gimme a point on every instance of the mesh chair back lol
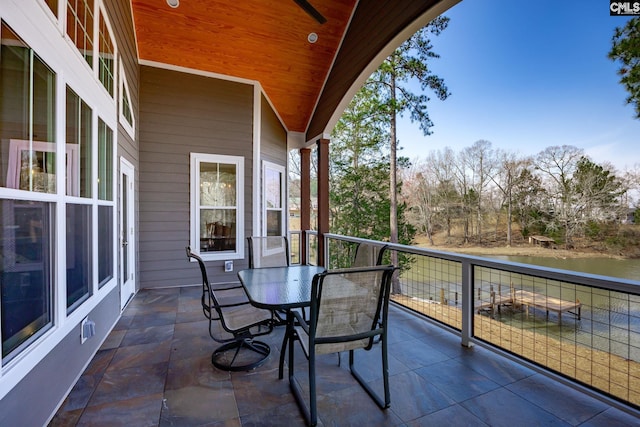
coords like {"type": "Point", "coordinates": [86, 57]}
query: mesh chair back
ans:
{"type": "Point", "coordinates": [345, 308]}
{"type": "Point", "coordinates": [269, 251]}
{"type": "Point", "coordinates": [368, 254]}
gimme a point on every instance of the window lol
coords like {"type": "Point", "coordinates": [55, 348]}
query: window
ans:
{"type": "Point", "coordinates": [216, 206]}
{"type": "Point", "coordinates": [27, 112]}
{"type": "Point", "coordinates": [126, 113]}
{"type": "Point", "coordinates": [273, 193]}
{"type": "Point", "coordinates": [78, 255]}
{"type": "Point", "coordinates": [105, 161]}
{"type": "Point", "coordinates": [27, 162]}
{"type": "Point", "coordinates": [26, 275]}
{"type": "Point", "coordinates": [80, 16]}
{"type": "Point", "coordinates": [79, 145]}
{"type": "Point", "coordinates": [106, 56]}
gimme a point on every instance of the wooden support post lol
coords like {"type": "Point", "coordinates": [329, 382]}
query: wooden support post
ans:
{"type": "Point", "coordinates": [305, 201]}
{"type": "Point", "coordinates": [323, 198]}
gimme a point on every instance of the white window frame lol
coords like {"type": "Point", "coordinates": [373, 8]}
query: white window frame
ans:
{"type": "Point", "coordinates": [36, 26]}
{"type": "Point", "coordinates": [238, 161]}
{"type": "Point", "coordinates": [101, 14]}
{"type": "Point", "coordinates": [266, 165]}
{"type": "Point", "coordinates": [130, 128]}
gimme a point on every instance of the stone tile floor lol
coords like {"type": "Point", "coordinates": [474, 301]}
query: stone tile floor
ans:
{"type": "Point", "coordinates": [155, 369]}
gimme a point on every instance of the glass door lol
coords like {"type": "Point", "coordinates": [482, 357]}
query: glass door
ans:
{"type": "Point", "coordinates": [127, 233]}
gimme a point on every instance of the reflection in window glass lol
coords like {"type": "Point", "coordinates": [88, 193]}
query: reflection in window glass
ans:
{"type": "Point", "coordinates": [78, 146]}
{"type": "Point", "coordinates": [27, 117]}
{"type": "Point", "coordinates": [105, 161]}
{"type": "Point", "coordinates": [78, 255]}
{"type": "Point", "coordinates": [126, 104]}
{"type": "Point", "coordinates": [80, 15]}
{"type": "Point", "coordinates": [218, 206]}
{"type": "Point", "coordinates": [105, 244]}
{"type": "Point", "coordinates": [26, 274]}
{"type": "Point", "coordinates": [106, 57]}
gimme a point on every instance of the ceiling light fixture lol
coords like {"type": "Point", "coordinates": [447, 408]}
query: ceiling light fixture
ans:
{"type": "Point", "coordinates": [312, 38]}
{"type": "Point", "coordinates": [173, 3]}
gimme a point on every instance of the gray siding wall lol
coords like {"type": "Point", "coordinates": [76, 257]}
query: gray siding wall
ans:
{"type": "Point", "coordinates": [273, 147]}
{"type": "Point", "coordinates": [36, 398]}
{"type": "Point", "coordinates": [180, 114]}
{"type": "Point", "coordinates": [273, 137]}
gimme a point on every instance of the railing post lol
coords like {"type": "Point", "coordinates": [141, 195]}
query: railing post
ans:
{"type": "Point", "coordinates": [467, 303]}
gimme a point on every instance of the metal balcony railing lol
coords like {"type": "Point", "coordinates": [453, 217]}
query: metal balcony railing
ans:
{"type": "Point", "coordinates": [582, 329]}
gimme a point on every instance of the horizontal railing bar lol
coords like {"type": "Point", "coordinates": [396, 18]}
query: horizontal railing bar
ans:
{"type": "Point", "coordinates": [592, 280]}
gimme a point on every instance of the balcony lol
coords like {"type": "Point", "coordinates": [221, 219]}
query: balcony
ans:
{"type": "Point", "coordinates": [154, 368]}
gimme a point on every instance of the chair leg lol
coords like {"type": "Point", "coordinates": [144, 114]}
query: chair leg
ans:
{"type": "Point", "coordinates": [385, 377]}
{"type": "Point", "coordinates": [308, 411]}
{"type": "Point", "coordinates": [313, 406]}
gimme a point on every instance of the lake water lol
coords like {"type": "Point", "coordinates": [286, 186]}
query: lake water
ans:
{"type": "Point", "coordinates": [624, 268]}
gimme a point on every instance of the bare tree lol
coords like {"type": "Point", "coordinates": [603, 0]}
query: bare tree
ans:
{"type": "Point", "coordinates": [480, 162]}
{"type": "Point", "coordinates": [557, 164]}
{"type": "Point", "coordinates": [506, 176]}
{"type": "Point", "coordinates": [448, 199]}
{"type": "Point", "coordinates": [419, 190]}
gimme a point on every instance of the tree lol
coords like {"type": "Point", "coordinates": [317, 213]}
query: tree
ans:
{"type": "Point", "coordinates": [597, 191]}
{"type": "Point", "coordinates": [479, 162]}
{"type": "Point", "coordinates": [507, 176]}
{"type": "Point", "coordinates": [420, 185]}
{"type": "Point", "coordinates": [558, 164]}
{"type": "Point", "coordinates": [359, 171]}
{"type": "Point", "coordinates": [392, 81]}
{"type": "Point", "coordinates": [626, 49]}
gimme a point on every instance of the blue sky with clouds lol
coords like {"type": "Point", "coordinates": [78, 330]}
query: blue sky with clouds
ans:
{"type": "Point", "coordinates": [528, 75]}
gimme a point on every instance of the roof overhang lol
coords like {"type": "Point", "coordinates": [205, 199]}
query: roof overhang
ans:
{"type": "Point", "coordinates": [308, 83]}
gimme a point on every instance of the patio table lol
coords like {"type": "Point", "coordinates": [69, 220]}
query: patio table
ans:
{"type": "Point", "coordinates": [280, 288]}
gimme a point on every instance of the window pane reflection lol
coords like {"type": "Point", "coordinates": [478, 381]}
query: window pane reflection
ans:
{"type": "Point", "coordinates": [105, 244]}
{"type": "Point", "coordinates": [78, 255]}
{"type": "Point", "coordinates": [25, 272]}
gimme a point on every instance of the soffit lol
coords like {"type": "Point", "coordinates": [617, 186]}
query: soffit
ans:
{"type": "Point", "coordinates": [259, 40]}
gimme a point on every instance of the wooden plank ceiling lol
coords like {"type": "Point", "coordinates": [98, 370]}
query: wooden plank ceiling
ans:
{"type": "Point", "coordinates": [262, 40]}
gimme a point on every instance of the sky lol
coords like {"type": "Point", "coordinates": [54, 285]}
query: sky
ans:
{"type": "Point", "coordinates": [526, 76]}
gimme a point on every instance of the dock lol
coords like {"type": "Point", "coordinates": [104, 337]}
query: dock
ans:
{"type": "Point", "coordinates": [526, 299]}
{"type": "Point", "coordinates": [546, 303]}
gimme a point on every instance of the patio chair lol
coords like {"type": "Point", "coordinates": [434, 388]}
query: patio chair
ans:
{"type": "Point", "coordinates": [227, 306]}
{"type": "Point", "coordinates": [268, 251]}
{"type": "Point", "coordinates": [368, 254]}
{"type": "Point", "coordinates": [345, 307]}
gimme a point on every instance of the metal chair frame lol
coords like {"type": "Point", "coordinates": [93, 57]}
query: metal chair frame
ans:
{"type": "Point", "coordinates": [243, 337]}
{"type": "Point", "coordinates": [378, 329]}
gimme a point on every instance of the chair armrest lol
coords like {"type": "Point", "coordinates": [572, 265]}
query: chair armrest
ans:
{"type": "Point", "coordinates": [224, 286]}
